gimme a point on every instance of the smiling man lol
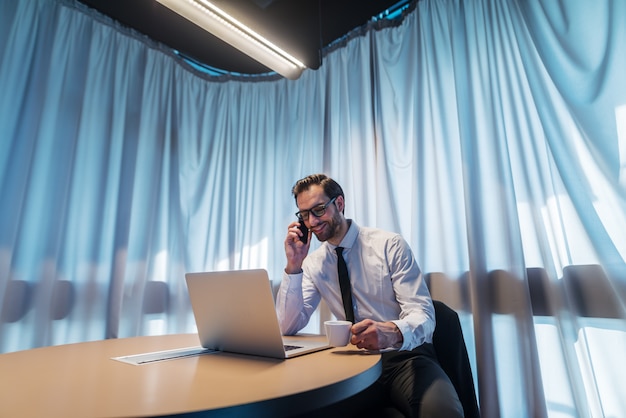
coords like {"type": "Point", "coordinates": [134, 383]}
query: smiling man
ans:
{"type": "Point", "coordinates": [388, 301]}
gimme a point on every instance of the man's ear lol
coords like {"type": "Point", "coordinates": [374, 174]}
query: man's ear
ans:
{"type": "Point", "coordinates": [341, 204]}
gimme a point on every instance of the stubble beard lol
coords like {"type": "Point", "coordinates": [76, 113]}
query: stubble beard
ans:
{"type": "Point", "coordinates": [332, 226]}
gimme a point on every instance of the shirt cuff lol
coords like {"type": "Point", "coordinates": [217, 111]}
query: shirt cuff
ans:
{"type": "Point", "coordinates": [407, 334]}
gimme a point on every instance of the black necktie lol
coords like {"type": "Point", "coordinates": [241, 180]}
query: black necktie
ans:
{"type": "Point", "coordinates": [344, 285]}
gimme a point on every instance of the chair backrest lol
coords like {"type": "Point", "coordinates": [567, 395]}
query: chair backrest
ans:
{"type": "Point", "coordinates": [451, 291]}
{"type": "Point", "coordinates": [17, 299]}
{"type": "Point", "coordinates": [63, 297]}
{"type": "Point", "coordinates": [540, 290]}
{"type": "Point", "coordinates": [451, 352]}
{"type": "Point", "coordinates": [591, 292]}
{"type": "Point", "coordinates": [156, 297]}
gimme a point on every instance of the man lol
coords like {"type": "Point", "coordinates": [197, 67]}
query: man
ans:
{"type": "Point", "coordinates": [391, 304]}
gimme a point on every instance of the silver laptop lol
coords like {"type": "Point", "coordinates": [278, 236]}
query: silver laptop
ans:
{"type": "Point", "coordinates": [234, 311]}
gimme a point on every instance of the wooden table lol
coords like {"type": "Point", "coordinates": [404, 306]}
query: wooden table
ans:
{"type": "Point", "coordinates": [82, 380]}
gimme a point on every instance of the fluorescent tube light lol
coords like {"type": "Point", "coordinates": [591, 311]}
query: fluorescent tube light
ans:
{"type": "Point", "coordinates": [214, 20]}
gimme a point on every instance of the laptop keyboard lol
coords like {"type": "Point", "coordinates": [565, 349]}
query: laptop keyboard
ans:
{"type": "Point", "coordinates": [291, 347]}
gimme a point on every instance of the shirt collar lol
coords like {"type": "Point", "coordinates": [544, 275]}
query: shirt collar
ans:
{"type": "Point", "coordinates": [350, 238]}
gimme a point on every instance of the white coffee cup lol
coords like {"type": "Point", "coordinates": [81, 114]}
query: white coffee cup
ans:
{"type": "Point", "coordinates": [338, 332]}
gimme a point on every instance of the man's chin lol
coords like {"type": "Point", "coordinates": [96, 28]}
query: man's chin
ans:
{"type": "Point", "coordinates": [321, 238]}
{"type": "Point", "coordinates": [322, 235]}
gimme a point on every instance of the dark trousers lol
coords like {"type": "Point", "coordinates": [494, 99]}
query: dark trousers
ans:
{"type": "Point", "coordinates": [412, 384]}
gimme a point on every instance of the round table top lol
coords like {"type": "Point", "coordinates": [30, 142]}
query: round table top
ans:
{"type": "Point", "coordinates": [83, 380]}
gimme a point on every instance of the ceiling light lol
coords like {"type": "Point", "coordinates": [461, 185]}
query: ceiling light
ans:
{"type": "Point", "coordinates": [214, 20]}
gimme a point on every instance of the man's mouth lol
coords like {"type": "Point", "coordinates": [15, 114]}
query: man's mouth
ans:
{"type": "Point", "coordinates": [319, 228]}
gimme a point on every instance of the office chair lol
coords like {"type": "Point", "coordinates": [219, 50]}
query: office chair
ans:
{"type": "Point", "coordinates": [449, 345]}
{"type": "Point", "coordinates": [17, 300]}
{"type": "Point", "coordinates": [591, 293]}
{"type": "Point", "coordinates": [156, 297]}
{"type": "Point", "coordinates": [63, 298]}
{"type": "Point", "coordinates": [540, 290]}
{"type": "Point", "coordinates": [451, 352]}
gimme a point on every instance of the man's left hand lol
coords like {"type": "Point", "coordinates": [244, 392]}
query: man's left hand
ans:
{"type": "Point", "coordinates": [372, 335]}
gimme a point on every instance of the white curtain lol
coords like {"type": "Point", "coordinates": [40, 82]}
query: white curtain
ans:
{"type": "Point", "coordinates": [491, 134]}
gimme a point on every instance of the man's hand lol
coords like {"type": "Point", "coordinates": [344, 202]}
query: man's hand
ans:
{"type": "Point", "coordinates": [373, 335]}
{"type": "Point", "coordinates": [295, 250]}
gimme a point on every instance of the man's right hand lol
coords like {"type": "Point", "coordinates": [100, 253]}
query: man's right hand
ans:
{"type": "Point", "coordinates": [295, 250]}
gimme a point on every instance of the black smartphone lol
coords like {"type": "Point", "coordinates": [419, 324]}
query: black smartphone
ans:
{"type": "Point", "coordinates": [305, 232]}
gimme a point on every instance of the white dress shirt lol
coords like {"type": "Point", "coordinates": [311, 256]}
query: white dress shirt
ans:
{"type": "Point", "coordinates": [387, 285]}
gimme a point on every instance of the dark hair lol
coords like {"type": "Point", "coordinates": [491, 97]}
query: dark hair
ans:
{"type": "Point", "coordinates": [330, 186]}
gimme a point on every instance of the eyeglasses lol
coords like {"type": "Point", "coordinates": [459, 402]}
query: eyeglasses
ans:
{"type": "Point", "coordinates": [318, 211]}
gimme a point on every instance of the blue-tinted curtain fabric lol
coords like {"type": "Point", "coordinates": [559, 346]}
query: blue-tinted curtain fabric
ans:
{"type": "Point", "coordinates": [491, 134]}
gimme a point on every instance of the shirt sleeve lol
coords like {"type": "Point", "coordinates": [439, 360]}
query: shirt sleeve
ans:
{"type": "Point", "coordinates": [417, 314]}
{"type": "Point", "coordinates": [292, 308]}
